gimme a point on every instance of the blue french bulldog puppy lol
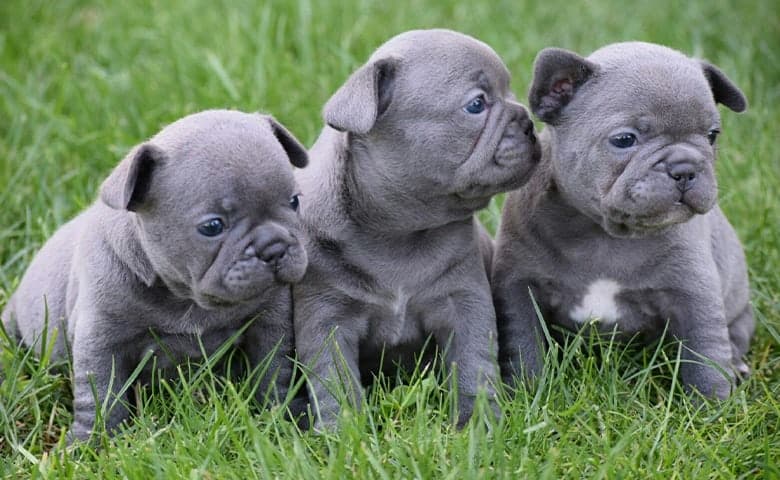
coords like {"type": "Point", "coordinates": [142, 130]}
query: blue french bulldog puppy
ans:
{"type": "Point", "coordinates": [620, 225]}
{"type": "Point", "coordinates": [195, 233]}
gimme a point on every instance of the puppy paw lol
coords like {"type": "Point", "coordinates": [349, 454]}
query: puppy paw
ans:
{"type": "Point", "coordinates": [77, 435]}
{"type": "Point", "coordinates": [741, 370]}
{"type": "Point", "coordinates": [466, 409]}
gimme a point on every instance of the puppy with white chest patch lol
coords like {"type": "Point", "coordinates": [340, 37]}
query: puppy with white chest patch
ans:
{"type": "Point", "coordinates": [620, 223]}
{"type": "Point", "coordinates": [195, 234]}
{"type": "Point", "coordinates": [418, 139]}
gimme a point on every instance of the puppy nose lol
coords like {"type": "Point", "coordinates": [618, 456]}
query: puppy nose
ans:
{"type": "Point", "coordinates": [683, 173]}
{"type": "Point", "coordinates": [274, 252]}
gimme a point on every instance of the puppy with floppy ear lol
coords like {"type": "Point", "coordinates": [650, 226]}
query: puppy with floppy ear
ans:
{"type": "Point", "coordinates": [195, 236]}
{"type": "Point", "coordinates": [620, 226]}
{"type": "Point", "coordinates": [418, 139]}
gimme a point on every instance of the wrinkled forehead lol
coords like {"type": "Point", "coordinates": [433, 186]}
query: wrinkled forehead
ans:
{"type": "Point", "coordinates": [444, 58]}
{"type": "Point", "coordinates": [672, 94]}
{"type": "Point", "coordinates": [246, 168]}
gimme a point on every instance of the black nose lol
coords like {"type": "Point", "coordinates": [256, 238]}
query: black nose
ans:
{"type": "Point", "coordinates": [274, 252]}
{"type": "Point", "coordinates": [683, 173]}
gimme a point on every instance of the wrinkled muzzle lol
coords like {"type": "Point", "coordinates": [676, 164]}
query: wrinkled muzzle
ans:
{"type": "Point", "coordinates": [504, 157]}
{"type": "Point", "coordinates": [269, 255]}
{"type": "Point", "coordinates": [271, 250]}
{"type": "Point", "coordinates": [666, 188]}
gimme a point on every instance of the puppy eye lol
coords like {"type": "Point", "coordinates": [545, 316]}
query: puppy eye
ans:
{"type": "Point", "coordinates": [712, 135]}
{"type": "Point", "coordinates": [623, 140]}
{"type": "Point", "coordinates": [476, 105]}
{"type": "Point", "coordinates": [294, 202]}
{"type": "Point", "coordinates": [211, 227]}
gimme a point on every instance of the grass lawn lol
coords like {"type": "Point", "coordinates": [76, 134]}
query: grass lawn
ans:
{"type": "Point", "coordinates": [81, 82]}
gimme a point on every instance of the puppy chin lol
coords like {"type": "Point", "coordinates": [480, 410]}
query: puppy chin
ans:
{"type": "Point", "coordinates": [517, 154]}
{"type": "Point", "coordinates": [239, 285]}
{"type": "Point", "coordinates": [291, 268]}
{"type": "Point", "coordinates": [212, 302]}
{"type": "Point", "coordinates": [630, 226]}
{"type": "Point", "coordinates": [231, 297]}
{"type": "Point", "coordinates": [511, 167]}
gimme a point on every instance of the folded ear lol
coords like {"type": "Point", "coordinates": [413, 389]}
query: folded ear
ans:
{"type": "Point", "coordinates": [723, 90]}
{"type": "Point", "coordinates": [295, 150]}
{"type": "Point", "coordinates": [128, 185]}
{"type": "Point", "coordinates": [356, 106]}
{"type": "Point", "coordinates": [558, 74]}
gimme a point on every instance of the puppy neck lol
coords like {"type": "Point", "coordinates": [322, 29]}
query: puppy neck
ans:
{"type": "Point", "coordinates": [346, 187]}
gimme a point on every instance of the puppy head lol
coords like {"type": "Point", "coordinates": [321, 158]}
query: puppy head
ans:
{"type": "Point", "coordinates": [215, 205]}
{"type": "Point", "coordinates": [433, 111]}
{"type": "Point", "coordinates": [632, 132]}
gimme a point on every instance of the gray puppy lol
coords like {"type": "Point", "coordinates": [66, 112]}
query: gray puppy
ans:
{"type": "Point", "coordinates": [195, 234]}
{"type": "Point", "coordinates": [418, 139]}
{"type": "Point", "coordinates": [620, 224]}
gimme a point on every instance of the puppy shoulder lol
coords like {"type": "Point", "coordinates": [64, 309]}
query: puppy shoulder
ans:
{"type": "Point", "coordinates": [727, 250]}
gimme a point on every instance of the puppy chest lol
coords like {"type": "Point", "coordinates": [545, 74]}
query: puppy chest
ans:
{"type": "Point", "coordinates": [170, 350]}
{"type": "Point", "coordinates": [599, 302]}
{"type": "Point", "coordinates": [395, 320]}
{"type": "Point", "coordinates": [604, 303]}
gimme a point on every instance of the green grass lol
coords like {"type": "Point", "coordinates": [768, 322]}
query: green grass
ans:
{"type": "Point", "coordinates": [81, 82]}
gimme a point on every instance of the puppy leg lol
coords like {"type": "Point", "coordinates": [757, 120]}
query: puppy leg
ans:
{"type": "Point", "coordinates": [701, 325]}
{"type": "Point", "coordinates": [470, 346]}
{"type": "Point", "coordinates": [329, 350]}
{"type": "Point", "coordinates": [272, 334]}
{"type": "Point", "coordinates": [104, 366]}
{"type": "Point", "coordinates": [740, 331]}
{"type": "Point", "coordinates": [520, 338]}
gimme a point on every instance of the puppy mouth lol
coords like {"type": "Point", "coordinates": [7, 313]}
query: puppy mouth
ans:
{"type": "Point", "coordinates": [472, 200]}
{"type": "Point", "coordinates": [623, 224]}
{"type": "Point", "coordinates": [278, 262]}
{"type": "Point", "coordinates": [247, 279]}
{"type": "Point", "coordinates": [476, 192]}
{"type": "Point", "coordinates": [482, 192]}
{"type": "Point", "coordinates": [212, 302]}
{"type": "Point", "coordinates": [516, 144]}
{"type": "Point", "coordinates": [515, 154]}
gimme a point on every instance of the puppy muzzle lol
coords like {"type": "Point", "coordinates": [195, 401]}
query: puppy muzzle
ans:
{"type": "Point", "coordinates": [504, 157]}
{"type": "Point", "coordinates": [656, 192]}
{"type": "Point", "coordinates": [267, 256]}
{"type": "Point", "coordinates": [271, 249]}
{"type": "Point", "coordinates": [519, 138]}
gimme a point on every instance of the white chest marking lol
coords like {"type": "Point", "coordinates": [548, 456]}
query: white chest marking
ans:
{"type": "Point", "coordinates": [598, 303]}
{"type": "Point", "coordinates": [399, 306]}
{"type": "Point", "coordinates": [396, 329]}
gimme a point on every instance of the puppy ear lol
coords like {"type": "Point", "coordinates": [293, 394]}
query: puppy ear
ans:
{"type": "Point", "coordinates": [723, 90]}
{"type": "Point", "coordinates": [356, 106]}
{"type": "Point", "coordinates": [295, 151]}
{"type": "Point", "coordinates": [558, 74]}
{"type": "Point", "coordinates": [128, 184]}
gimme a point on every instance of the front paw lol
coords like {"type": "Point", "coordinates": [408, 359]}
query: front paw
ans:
{"type": "Point", "coordinates": [741, 369]}
{"type": "Point", "coordinates": [78, 433]}
{"type": "Point", "coordinates": [466, 405]}
{"type": "Point", "coordinates": [708, 381]}
{"type": "Point", "coordinates": [521, 369]}
{"type": "Point", "coordinates": [326, 423]}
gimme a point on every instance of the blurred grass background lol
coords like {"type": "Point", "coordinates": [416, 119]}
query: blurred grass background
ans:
{"type": "Point", "coordinates": [83, 81]}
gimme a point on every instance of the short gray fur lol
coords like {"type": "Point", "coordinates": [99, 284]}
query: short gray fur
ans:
{"type": "Point", "coordinates": [132, 274]}
{"type": "Point", "coordinates": [631, 235]}
{"type": "Point", "coordinates": [396, 254]}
